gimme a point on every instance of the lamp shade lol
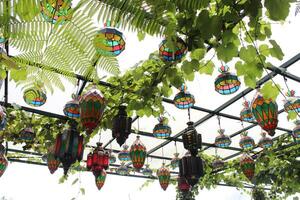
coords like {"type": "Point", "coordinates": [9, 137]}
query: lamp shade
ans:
{"type": "Point", "coordinates": [265, 142]}
{"type": "Point", "coordinates": [123, 169]}
{"type": "Point", "coordinates": [147, 171]}
{"type": "Point", "coordinates": [226, 83]}
{"type": "Point", "coordinates": [121, 126]}
{"type": "Point", "coordinates": [192, 141]}
{"type": "Point", "coordinates": [138, 153]}
{"type": "Point", "coordinates": [296, 131]}
{"type": "Point", "coordinates": [247, 165]}
{"type": "Point", "coordinates": [109, 42]}
{"type": "Point", "coordinates": [222, 140]}
{"type": "Point", "coordinates": [183, 185]}
{"type": "Point", "coordinates": [52, 162]}
{"type": "Point", "coordinates": [162, 129]}
{"type": "Point", "coordinates": [98, 160]}
{"type": "Point", "coordinates": [124, 154]}
{"type": "Point", "coordinates": [172, 55]}
{"type": "Point", "coordinates": [35, 96]}
{"type": "Point", "coordinates": [292, 103]}
{"type": "Point", "coordinates": [183, 99]}
{"type": "Point", "coordinates": [100, 179]}
{"type": "Point", "coordinates": [92, 105]}
{"type": "Point", "coordinates": [27, 135]}
{"type": "Point", "coordinates": [246, 113]}
{"type": "Point", "coordinates": [191, 168]}
{"type": "Point", "coordinates": [56, 11]}
{"type": "Point", "coordinates": [265, 112]}
{"type": "Point", "coordinates": [175, 161]}
{"type": "Point", "coordinates": [246, 142]}
{"type": "Point", "coordinates": [218, 163]}
{"type": "Point", "coordinates": [72, 108]}
{"type": "Point", "coordinates": [69, 147]}
{"type": "Point", "coordinates": [163, 175]}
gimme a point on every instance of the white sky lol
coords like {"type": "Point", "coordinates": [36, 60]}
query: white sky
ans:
{"type": "Point", "coordinates": [22, 181]}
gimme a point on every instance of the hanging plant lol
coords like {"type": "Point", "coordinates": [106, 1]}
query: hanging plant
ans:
{"type": "Point", "coordinates": [138, 153]}
{"type": "Point", "coordinates": [124, 154]}
{"type": "Point", "coordinates": [92, 105]}
{"type": "Point", "coordinates": [222, 140]}
{"type": "Point", "coordinates": [246, 113]}
{"type": "Point", "coordinates": [109, 41]}
{"type": "Point", "coordinates": [72, 108]}
{"type": "Point", "coordinates": [175, 161]}
{"type": "Point", "coordinates": [265, 142]}
{"type": "Point", "coordinates": [173, 54]}
{"type": "Point", "coordinates": [100, 179]}
{"type": "Point", "coordinates": [163, 175]}
{"type": "Point", "coordinates": [183, 99]}
{"type": "Point", "coordinates": [265, 112]}
{"type": "Point", "coordinates": [247, 165]}
{"type": "Point", "coordinates": [246, 142]}
{"type": "Point", "coordinates": [226, 83]}
{"type": "Point", "coordinates": [147, 171]}
{"type": "Point", "coordinates": [56, 11]}
{"type": "Point", "coordinates": [35, 96]}
{"type": "Point", "coordinates": [121, 126]}
{"type": "Point", "coordinates": [162, 129]}
{"type": "Point", "coordinates": [296, 131]}
{"type": "Point", "coordinates": [292, 103]}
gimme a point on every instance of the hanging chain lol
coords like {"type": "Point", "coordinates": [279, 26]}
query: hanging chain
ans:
{"type": "Point", "coordinates": [219, 121]}
{"type": "Point", "coordinates": [189, 114]}
{"type": "Point", "coordinates": [163, 155]}
{"type": "Point", "coordinates": [138, 124]}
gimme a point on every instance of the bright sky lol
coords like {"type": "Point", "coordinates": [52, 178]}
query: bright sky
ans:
{"type": "Point", "coordinates": [22, 181]}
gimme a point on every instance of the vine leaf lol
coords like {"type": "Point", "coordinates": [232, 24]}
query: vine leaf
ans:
{"type": "Point", "coordinates": [276, 50]}
{"type": "Point", "coordinates": [292, 115]}
{"type": "Point", "coordinates": [207, 68]}
{"type": "Point", "coordinates": [269, 90]}
{"type": "Point", "coordinates": [277, 9]}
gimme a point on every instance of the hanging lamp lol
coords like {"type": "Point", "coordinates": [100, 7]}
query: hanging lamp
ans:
{"type": "Point", "coordinates": [56, 11]}
{"type": "Point", "coordinates": [182, 184]}
{"type": "Point", "coordinates": [162, 129]}
{"type": "Point", "coordinates": [124, 154]}
{"type": "Point", "coordinates": [218, 163]}
{"type": "Point", "coordinates": [296, 131]}
{"type": "Point", "coordinates": [191, 168]}
{"type": "Point", "coordinates": [138, 153]}
{"type": "Point", "coordinates": [112, 157]}
{"type": "Point", "coordinates": [3, 160]}
{"type": "Point", "coordinates": [183, 99]}
{"type": "Point", "coordinates": [265, 112]}
{"type": "Point", "coordinates": [100, 179]}
{"type": "Point", "coordinates": [35, 96]}
{"type": "Point", "coordinates": [172, 55]}
{"type": "Point", "coordinates": [52, 162]}
{"type": "Point", "coordinates": [226, 83]}
{"type": "Point", "coordinates": [109, 41]}
{"type": "Point", "coordinates": [246, 113]}
{"type": "Point", "coordinates": [292, 103]}
{"type": "Point", "coordinates": [247, 165]}
{"type": "Point", "coordinates": [27, 135]}
{"type": "Point", "coordinates": [123, 169]}
{"type": "Point", "coordinates": [147, 171]}
{"type": "Point", "coordinates": [121, 126]}
{"type": "Point", "coordinates": [97, 160]}
{"type": "Point", "coordinates": [69, 147]}
{"type": "Point", "coordinates": [163, 175]}
{"type": "Point", "coordinates": [175, 161]}
{"type": "Point", "coordinates": [72, 108]}
{"type": "Point", "coordinates": [246, 142]}
{"type": "Point", "coordinates": [92, 105]}
{"type": "Point", "coordinates": [222, 140]}
{"type": "Point", "coordinates": [265, 142]}
{"type": "Point", "coordinates": [192, 141]}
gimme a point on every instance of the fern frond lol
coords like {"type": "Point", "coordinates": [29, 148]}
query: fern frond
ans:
{"type": "Point", "coordinates": [297, 8]}
{"type": "Point", "coordinates": [108, 64]}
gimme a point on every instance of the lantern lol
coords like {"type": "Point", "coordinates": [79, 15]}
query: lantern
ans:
{"type": "Point", "coordinates": [27, 135]}
{"type": "Point", "coordinates": [92, 105]}
{"type": "Point", "coordinates": [72, 108]}
{"type": "Point", "coordinates": [112, 157]}
{"type": "Point", "coordinates": [247, 165]}
{"type": "Point", "coordinates": [246, 114]}
{"type": "Point", "coordinates": [147, 171]}
{"type": "Point", "coordinates": [123, 170]}
{"type": "Point", "coordinates": [183, 99]}
{"type": "Point", "coordinates": [138, 153]}
{"type": "Point", "coordinates": [172, 55]}
{"type": "Point", "coordinates": [69, 147]}
{"type": "Point", "coordinates": [100, 179]}
{"type": "Point", "coordinates": [121, 126]}
{"type": "Point", "coordinates": [222, 140]}
{"type": "Point", "coordinates": [175, 161]}
{"type": "Point", "coordinates": [35, 96]}
{"type": "Point", "coordinates": [246, 142]}
{"type": "Point", "coordinates": [58, 11]}
{"type": "Point", "coordinates": [265, 112]}
{"type": "Point", "coordinates": [183, 185]}
{"type": "Point", "coordinates": [191, 168]}
{"type": "Point", "coordinates": [52, 162]}
{"type": "Point", "coordinates": [218, 163]}
{"type": "Point", "coordinates": [98, 160]}
{"type": "Point", "coordinates": [296, 131]}
{"type": "Point", "coordinates": [192, 141]}
{"type": "Point", "coordinates": [162, 129]}
{"type": "Point", "coordinates": [124, 154]}
{"type": "Point", "coordinates": [3, 164]}
{"type": "Point", "coordinates": [226, 83]}
{"type": "Point", "coordinates": [292, 103]}
{"type": "Point", "coordinates": [265, 142]}
{"type": "Point", "coordinates": [163, 175]}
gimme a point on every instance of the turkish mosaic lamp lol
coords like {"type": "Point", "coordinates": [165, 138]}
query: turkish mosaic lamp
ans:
{"type": "Point", "coordinates": [175, 161]}
{"type": "Point", "coordinates": [163, 175]}
{"type": "Point", "coordinates": [218, 163]}
{"type": "Point", "coordinates": [27, 135]}
{"type": "Point", "coordinates": [292, 103]}
{"type": "Point", "coordinates": [100, 179]}
{"type": "Point", "coordinates": [162, 129]}
{"type": "Point", "coordinates": [72, 108]}
{"type": "Point", "coordinates": [247, 165]}
{"type": "Point", "coordinates": [296, 131]}
{"type": "Point", "coordinates": [56, 11]}
{"type": "Point", "coordinates": [265, 112]}
{"type": "Point", "coordinates": [265, 142]}
{"type": "Point", "coordinates": [183, 99]}
{"type": "Point", "coordinates": [52, 162]}
{"type": "Point", "coordinates": [138, 153]}
{"type": "Point", "coordinates": [35, 96]}
{"type": "Point", "coordinates": [123, 170]}
{"type": "Point", "coordinates": [222, 140]}
{"type": "Point", "coordinates": [3, 160]}
{"type": "Point", "coordinates": [112, 157]}
{"type": "Point", "coordinates": [124, 155]}
{"type": "Point", "coordinates": [246, 113]}
{"type": "Point", "coordinates": [109, 41]}
{"type": "Point", "coordinates": [246, 142]}
{"type": "Point", "coordinates": [226, 83]}
{"type": "Point", "coordinates": [147, 171]}
{"type": "Point", "coordinates": [175, 54]}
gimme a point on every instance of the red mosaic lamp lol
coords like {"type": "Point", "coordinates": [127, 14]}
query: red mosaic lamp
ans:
{"type": "Point", "coordinates": [138, 153]}
{"type": "Point", "coordinates": [163, 175]}
{"type": "Point", "coordinates": [183, 185]}
{"type": "Point", "coordinates": [98, 160]}
{"type": "Point", "coordinates": [247, 165]}
{"type": "Point", "coordinates": [100, 179]}
{"type": "Point", "coordinates": [52, 162]}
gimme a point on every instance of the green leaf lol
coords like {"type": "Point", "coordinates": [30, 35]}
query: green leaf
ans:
{"type": "Point", "coordinates": [198, 54]}
{"type": "Point", "coordinates": [292, 115]}
{"type": "Point", "coordinates": [248, 54]}
{"type": "Point", "coordinates": [82, 190]}
{"type": "Point", "coordinates": [187, 67]}
{"type": "Point", "coordinates": [277, 9]}
{"type": "Point", "coordinates": [270, 91]}
{"type": "Point", "coordinates": [207, 68]}
{"type": "Point", "coordinates": [250, 81]}
{"type": "Point", "coordinates": [276, 50]}
{"type": "Point", "coordinates": [227, 52]}
{"type": "Point", "coordinates": [18, 75]}
{"type": "Point", "coordinates": [75, 181]}
{"type": "Point", "coordinates": [141, 35]}
{"type": "Point", "coordinates": [264, 50]}
{"type": "Point", "coordinates": [2, 74]}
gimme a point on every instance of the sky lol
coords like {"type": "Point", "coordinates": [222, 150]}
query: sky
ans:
{"type": "Point", "coordinates": [22, 181]}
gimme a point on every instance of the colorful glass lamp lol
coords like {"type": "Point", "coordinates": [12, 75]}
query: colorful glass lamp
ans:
{"type": "Point", "coordinates": [265, 112]}
{"type": "Point", "coordinates": [182, 184]}
{"type": "Point", "coordinates": [112, 157]}
{"type": "Point", "coordinates": [97, 160]}
{"type": "Point", "coordinates": [52, 162]}
{"type": "Point", "coordinates": [123, 169]}
{"type": "Point", "coordinates": [56, 11]}
{"type": "Point", "coordinates": [175, 161]}
{"type": "Point", "coordinates": [121, 126]}
{"type": "Point", "coordinates": [246, 142]}
{"type": "Point", "coordinates": [163, 175]}
{"type": "Point", "coordinates": [35, 96]}
{"type": "Point", "coordinates": [222, 140]}
{"type": "Point", "coordinates": [3, 160]}
{"type": "Point", "coordinates": [265, 142]}
{"type": "Point", "coordinates": [183, 99]}
{"type": "Point", "coordinates": [246, 113]}
{"type": "Point", "coordinates": [72, 108]}
{"type": "Point", "coordinates": [169, 55]}
{"type": "Point", "coordinates": [226, 83]}
{"type": "Point", "coordinates": [162, 129]}
{"type": "Point", "coordinates": [138, 153]}
{"type": "Point", "coordinates": [147, 171]}
{"type": "Point", "coordinates": [292, 103]}
{"type": "Point", "coordinates": [124, 154]}
{"type": "Point", "coordinates": [27, 135]}
{"type": "Point", "coordinates": [100, 179]}
{"type": "Point", "coordinates": [247, 165]}
{"type": "Point", "coordinates": [296, 131]}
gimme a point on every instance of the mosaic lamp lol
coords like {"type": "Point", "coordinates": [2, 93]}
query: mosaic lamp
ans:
{"type": "Point", "coordinates": [246, 142]}
{"type": "Point", "coordinates": [163, 175]}
{"type": "Point", "coordinates": [121, 126]}
{"type": "Point", "coordinates": [172, 55]}
{"type": "Point", "coordinates": [35, 96]}
{"type": "Point", "coordinates": [292, 103]}
{"type": "Point", "coordinates": [246, 113]}
{"type": "Point", "coordinates": [138, 153]}
{"type": "Point", "coordinates": [124, 155]}
{"type": "Point", "coordinates": [183, 99]}
{"type": "Point", "coordinates": [247, 165]}
{"type": "Point", "coordinates": [296, 131]}
{"type": "Point", "coordinates": [265, 142]}
{"type": "Point", "coordinates": [192, 141]}
{"type": "Point", "coordinates": [226, 83]}
{"type": "Point", "coordinates": [56, 11]}
{"type": "Point", "coordinates": [3, 160]}
{"type": "Point", "coordinates": [100, 179]}
{"type": "Point", "coordinates": [72, 108]}
{"type": "Point", "coordinates": [162, 129]}
{"type": "Point", "coordinates": [222, 140]}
